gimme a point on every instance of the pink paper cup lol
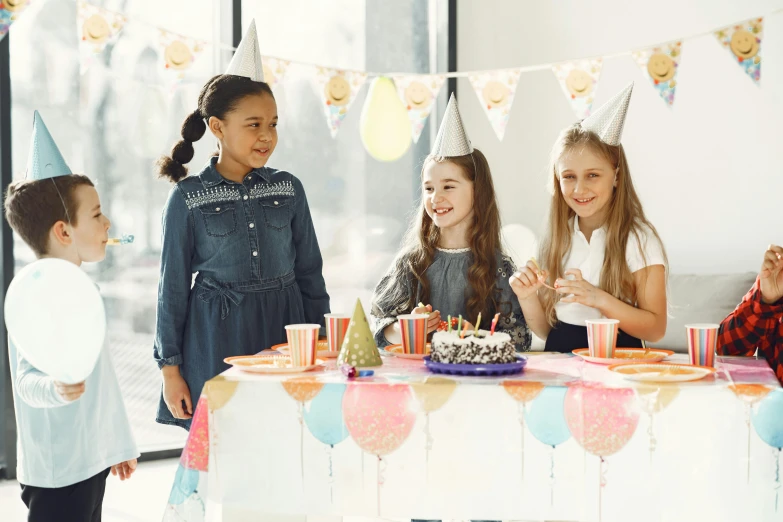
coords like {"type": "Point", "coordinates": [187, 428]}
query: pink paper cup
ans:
{"type": "Point", "coordinates": [602, 337]}
{"type": "Point", "coordinates": [702, 341]}
{"type": "Point", "coordinates": [413, 329]}
{"type": "Point", "coordinates": [336, 326]}
{"type": "Point", "coordinates": [302, 343]}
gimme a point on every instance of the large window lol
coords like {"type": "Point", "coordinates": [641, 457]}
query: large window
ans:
{"type": "Point", "coordinates": [115, 118]}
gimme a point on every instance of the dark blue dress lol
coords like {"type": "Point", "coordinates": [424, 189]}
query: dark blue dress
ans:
{"type": "Point", "coordinates": [253, 249]}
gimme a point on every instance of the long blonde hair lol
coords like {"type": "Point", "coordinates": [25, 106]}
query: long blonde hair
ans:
{"type": "Point", "coordinates": [625, 217]}
{"type": "Point", "coordinates": [421, 240]}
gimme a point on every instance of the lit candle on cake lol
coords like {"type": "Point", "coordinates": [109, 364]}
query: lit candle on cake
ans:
{"type": "Point", "coordinates": [494, 324]}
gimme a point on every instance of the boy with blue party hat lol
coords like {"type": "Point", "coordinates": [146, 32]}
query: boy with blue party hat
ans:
{"type": "Point", "coordinates": [70, 436]}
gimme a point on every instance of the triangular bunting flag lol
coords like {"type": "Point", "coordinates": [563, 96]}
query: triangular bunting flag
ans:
{"type": "Point", "coordinates": [495, 91]}
{"type": "Point", "coordinates": [609, 119]}
{"type": "Point", "coordinates": [660, 64]}
{"type": "Point", "coordinates": [178, 53]}
{"type": "Point", "coordinates": [579, 81]}
{"type": "Point", "coordinates": [359, 348]}
{"type": "Point", "coordinates": [338, 91]}
{"type": "Point", "coordinates": [452, 139]}
{"type": "Point", "coordinates": [743, 41]}
{"type": "Point", "coordinates": [418, 94]}
{"type": "Point", "coordinates": [9, 12]}
{"type": "Point", "coordinates": [96, 28]}
{"type": "Point", "coordinates": [247, 57]}
{"type": "Point", "coordinates": [274, 70]}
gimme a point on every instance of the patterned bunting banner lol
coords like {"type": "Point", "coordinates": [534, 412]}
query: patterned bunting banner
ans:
{"type": "Point", "coordinates": [338, 91]}
{"type": "Point", "coordinates": [743, 41]}
{"type": "Point", "coordinates": [579, 81]}
{"type": "Point", "coordinates": [9, 12]}
{"type": "Point", "coordinates": [418, 93]}
{"type": "Point", "coordinates": [178, 53]}
{"type": "Point", "coordinates": [495, 91]}
{"type": "Point", "coordinates": [96, 27]}
{"type": "Point", "coordinates": [661, 65]}
{"type": "Point", "coordinates": [274, 70]}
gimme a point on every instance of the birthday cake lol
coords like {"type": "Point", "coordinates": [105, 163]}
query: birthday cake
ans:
{"type": "Point", "coordinates": [478, 348]}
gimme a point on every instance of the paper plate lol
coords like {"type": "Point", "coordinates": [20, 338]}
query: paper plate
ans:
{"type": "Point", "coordinates": [625, 355]}
{"type": "Point", "coordinates": [321, 346]}
{"type": "Point", "coordinates": [396, 350]}
{"type": "Point", "coordinates": [661, 372]}
{"type": "Point", "coordinates": [269, 364]}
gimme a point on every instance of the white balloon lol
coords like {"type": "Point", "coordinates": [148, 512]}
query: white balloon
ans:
{"type": "Point", "coordinates": [55, 317]}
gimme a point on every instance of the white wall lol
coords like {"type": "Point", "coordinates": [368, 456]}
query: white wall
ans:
{"type": "Point", "coordinates": [709, 170]}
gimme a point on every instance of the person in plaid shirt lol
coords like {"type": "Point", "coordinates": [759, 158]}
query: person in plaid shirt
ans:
{"type": "Point", "coordinates": [757, 322]}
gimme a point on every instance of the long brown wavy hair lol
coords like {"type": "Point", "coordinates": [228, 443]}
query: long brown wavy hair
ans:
{"type": "Point", "coordinates": [422, 237]}
{"type": "Point", "coordinates": [625, 217]}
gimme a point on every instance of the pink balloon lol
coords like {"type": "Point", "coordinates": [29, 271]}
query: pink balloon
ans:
{"type": "Point", "coordinates": [195, 455]}
{"type": "Point", "coordinates": [379, 417]}
{"type": "Point", "coordinates": [602, 420]}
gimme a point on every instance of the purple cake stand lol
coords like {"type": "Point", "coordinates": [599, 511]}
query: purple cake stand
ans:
{"type": "Point", "coordinates": [478, 370]}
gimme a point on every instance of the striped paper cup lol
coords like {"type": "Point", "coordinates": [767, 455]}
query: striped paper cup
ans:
{"type": "Point", "coordinates": [413, 329]}
{"type": "Point", "coordinates": [702, 341]}
{"type": "Point", "coordinates": [302, 342]}
{"type": "Point", "coordinates": [602, 337]}
{"type": "Point", "coordinates": [336, 326]}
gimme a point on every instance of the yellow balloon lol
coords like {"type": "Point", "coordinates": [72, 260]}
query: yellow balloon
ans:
{"type": "Point", "coordinates": [384, 127]}
{"type": "Point", "coordinates": [219, 390]}
{"type": "Point", "coordinates": [433, 393]}
{"type": "Point", "coordinates": [655, 399]}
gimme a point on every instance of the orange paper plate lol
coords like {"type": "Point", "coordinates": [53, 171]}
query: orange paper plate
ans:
{"type": "Point", "coordinates": [269, 364]}
{"type": "Point", "coordinates": [661, 372]}
{"type": "Point", "coordinates": [625, 355]}
{"type": "Point", "coordinates": [396, 350]}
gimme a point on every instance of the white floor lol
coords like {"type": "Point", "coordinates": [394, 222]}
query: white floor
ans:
{"type": "Point", "coordinates": [140, 499]}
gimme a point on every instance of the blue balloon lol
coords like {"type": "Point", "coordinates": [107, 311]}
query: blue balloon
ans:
{"type": "Point", "coordinates": [185, 484]}
{"type": "Point", "coordinates": [546, 419]}
{"type": "Point", "coordinates": [324, 417]}
{"type": "Point", "coordinates": [768, 419]}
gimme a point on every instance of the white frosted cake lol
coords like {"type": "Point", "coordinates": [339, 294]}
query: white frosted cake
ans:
{"type": "Point", "coordinates": [483, 348]}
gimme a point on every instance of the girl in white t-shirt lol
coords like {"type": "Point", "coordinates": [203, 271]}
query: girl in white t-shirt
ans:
{"type": "Point", "coordinates": [601, 255]}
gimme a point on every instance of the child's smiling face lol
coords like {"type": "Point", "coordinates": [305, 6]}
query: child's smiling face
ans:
{"type": "Point", "coordinates": [447, 194]}
{"type": "Point", "coordinates": [587, 182]}
{"type": "Point", "coordinates": [248, 134]}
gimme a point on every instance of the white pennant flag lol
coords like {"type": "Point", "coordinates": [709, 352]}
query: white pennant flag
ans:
{"type": "Point", "coordinates": [495, 91]}
{"type": "Point", "coordinates": [338, 91]}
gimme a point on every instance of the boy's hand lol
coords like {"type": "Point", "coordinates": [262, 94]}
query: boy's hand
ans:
{"type": "Point", "coordinates": [175, 391]}
{"type": "Point", "coordinates": [771, 275]}
{"type": "Point", "coordinates": [69, 392]}
{"type": "Point", "coordinates": [124, 469]}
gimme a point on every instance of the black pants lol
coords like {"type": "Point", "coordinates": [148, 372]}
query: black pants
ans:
{"type": "Point", "coordinates": [565, 338]}
{"type": "Point", "coordinates": [80, 502]}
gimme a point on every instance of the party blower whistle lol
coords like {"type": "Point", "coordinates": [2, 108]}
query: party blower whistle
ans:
{"type": "Point", "coordinates": [126, 239]}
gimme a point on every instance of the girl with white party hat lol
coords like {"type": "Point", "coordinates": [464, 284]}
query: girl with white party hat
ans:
{"type": "Point", "coordinates": [451, 259]}
{"type": "Point", "coordinates": [244, 228]}
{"type": "Point", "coordinates": [600, 257]}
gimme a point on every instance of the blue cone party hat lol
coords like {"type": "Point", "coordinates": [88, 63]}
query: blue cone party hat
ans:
{"type": "Point", "coordinates": [45, 160]}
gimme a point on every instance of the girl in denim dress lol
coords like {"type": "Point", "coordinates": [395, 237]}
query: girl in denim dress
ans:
{"type": "Point", "coordinates": [243, 229]}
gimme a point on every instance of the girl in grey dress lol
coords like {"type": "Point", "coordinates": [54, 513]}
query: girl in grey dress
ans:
{"type": "Point", "coordinates": [452, 260]}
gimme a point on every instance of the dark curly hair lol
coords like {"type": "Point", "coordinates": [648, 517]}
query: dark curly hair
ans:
{"type": "Point", "coordinates": [218, 97]}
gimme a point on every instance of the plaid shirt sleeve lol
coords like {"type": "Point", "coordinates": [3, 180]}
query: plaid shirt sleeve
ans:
{"type": "Point", "coordinates": [754, 324]}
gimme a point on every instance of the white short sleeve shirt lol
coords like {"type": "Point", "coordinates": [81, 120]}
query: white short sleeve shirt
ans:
{"type": "Point", "coordinates": [589, 259]}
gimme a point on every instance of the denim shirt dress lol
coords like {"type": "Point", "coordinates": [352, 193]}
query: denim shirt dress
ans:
{"type": "Point", "coordinates": [253, 249]}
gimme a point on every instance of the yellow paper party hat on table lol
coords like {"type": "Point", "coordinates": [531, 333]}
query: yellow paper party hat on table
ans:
{"type": "Point", "coordinates": [359, 348]}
